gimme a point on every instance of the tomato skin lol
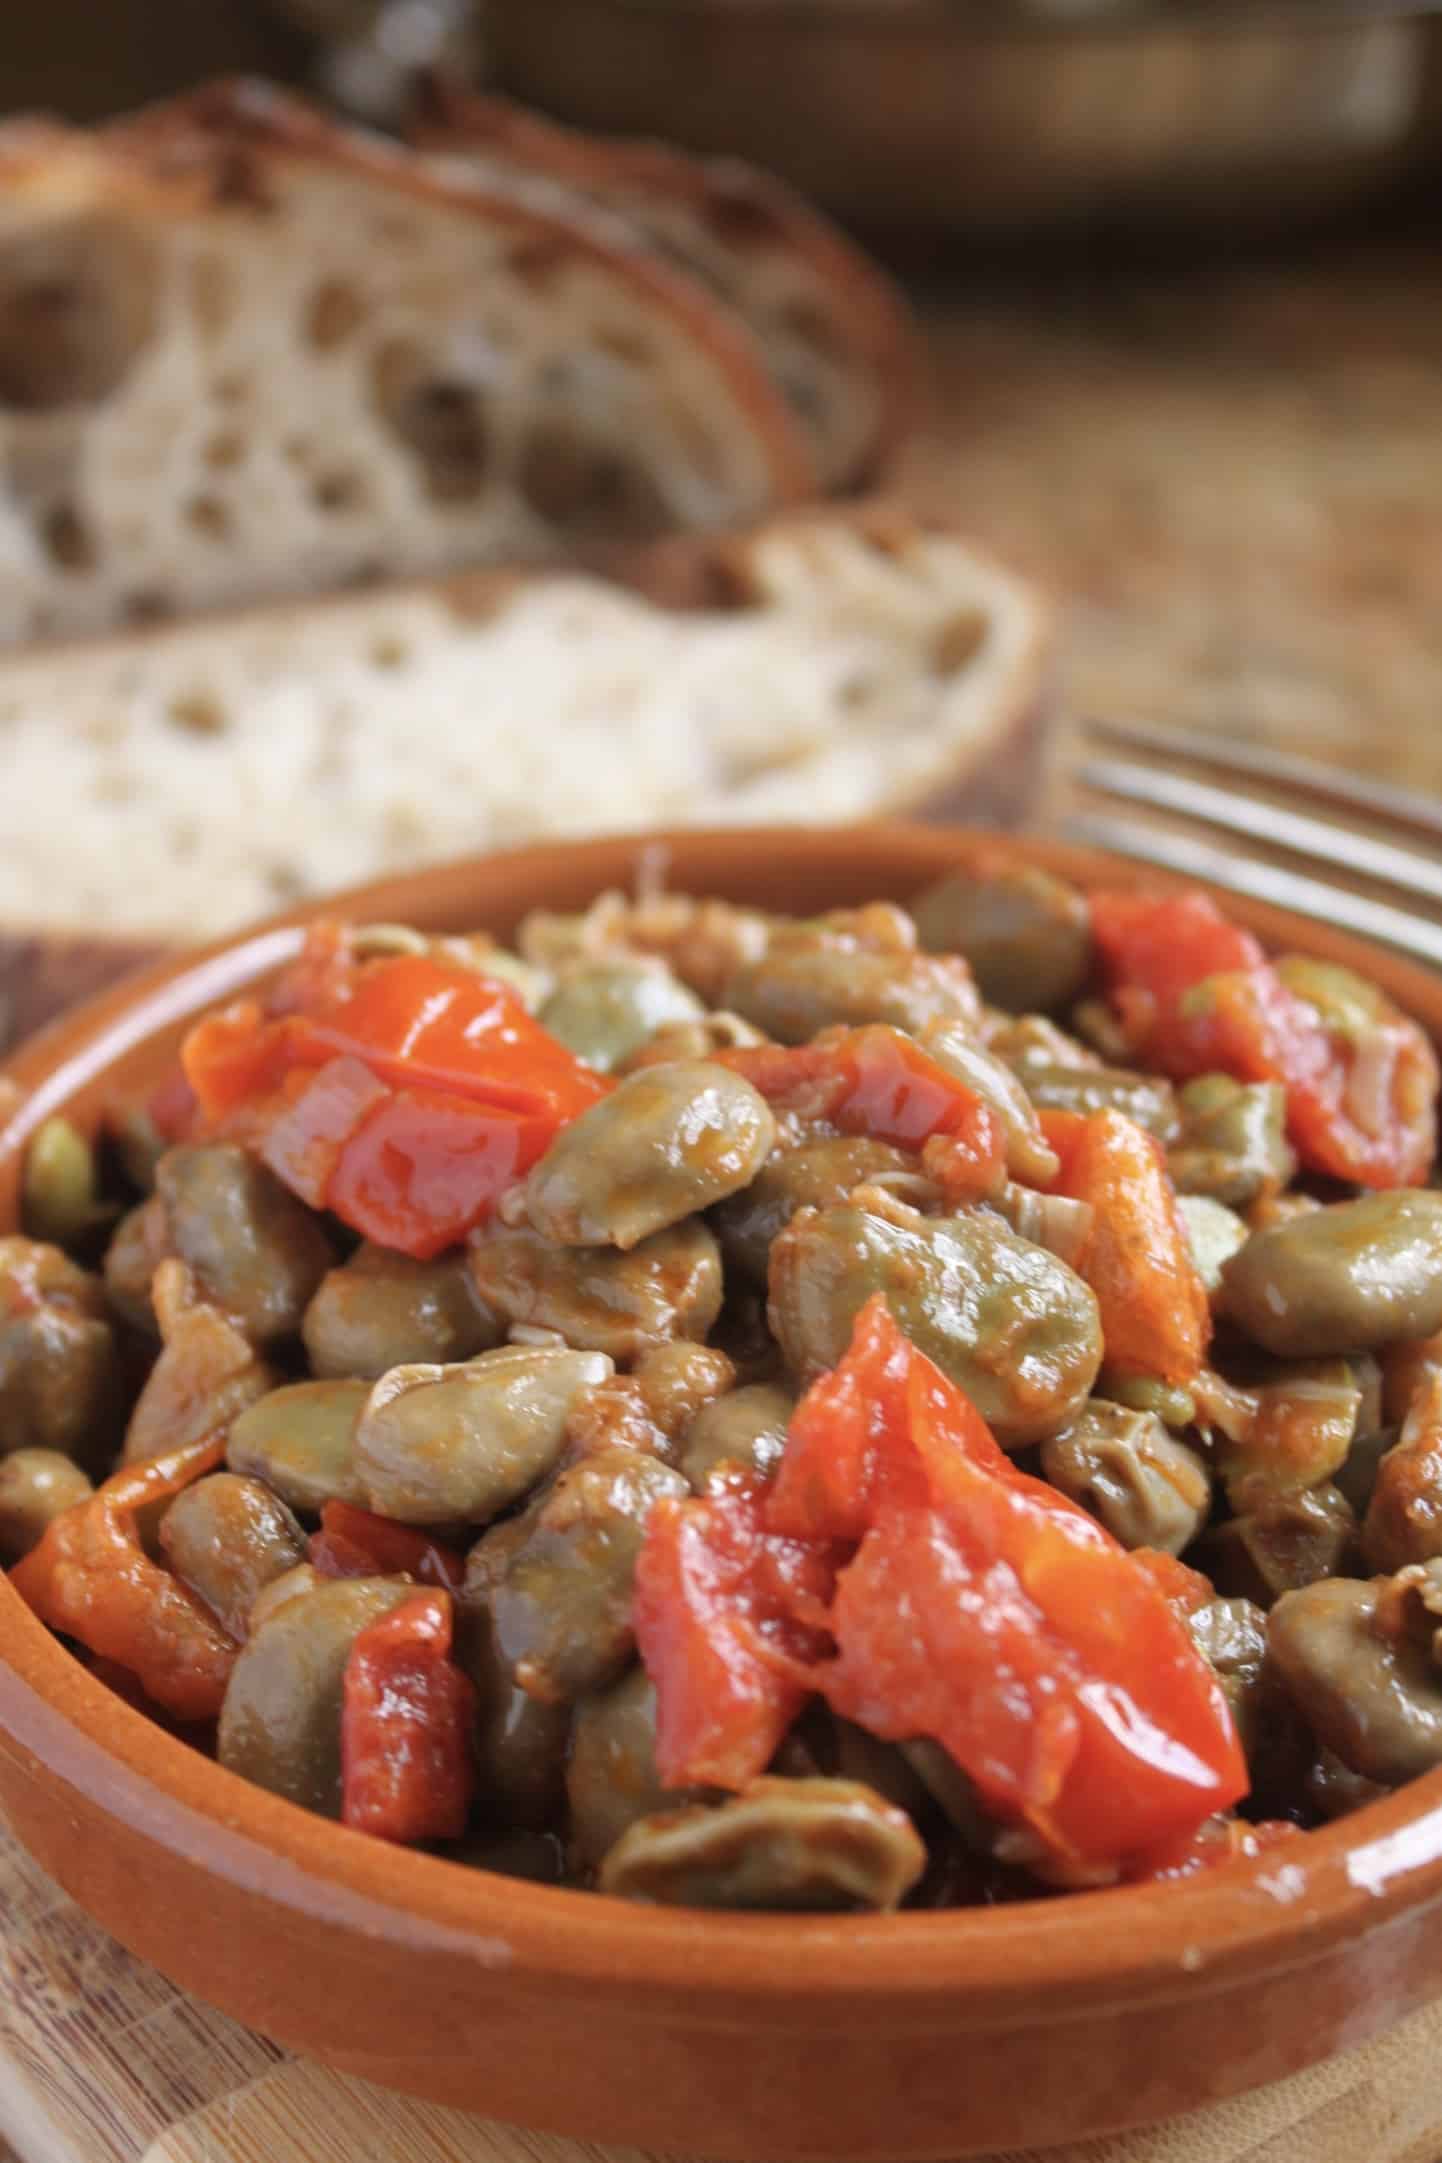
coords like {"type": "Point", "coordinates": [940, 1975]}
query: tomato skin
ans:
{"type": "Point", "coordinates": [421, 1170]}
{"type": "Point", "coordinates": [354, 1542]}
{"type": "Point", "coordinates": [91, 1579]}
{"type": "Point", "coordinates": [1196, 995]}
{"type": "Point", "coordinates": [404, 1094]}
{"type": "Point", "coordinates": [407, 1769]}
{"type": "Point", "coordinates": [725, 1616]}
{"type": "Point", "coordinates": [873, 1081]}
{"type": "Point", "coordinates": [965, 1601]}
{"type": "Point", "coordinates": [1156, 1318]}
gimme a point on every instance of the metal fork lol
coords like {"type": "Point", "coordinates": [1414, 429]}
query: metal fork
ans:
{"type": "Point", "coordinates": [1254, 800]}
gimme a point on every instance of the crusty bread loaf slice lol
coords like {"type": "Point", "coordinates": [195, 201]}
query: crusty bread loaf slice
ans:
{"type": "Point", "coordinates": [830, 666]}
{"type": "Point", "coordinates": [245, 353]}
{"type": "Point", "coordinates": [835, 330]}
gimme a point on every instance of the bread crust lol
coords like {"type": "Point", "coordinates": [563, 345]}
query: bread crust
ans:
{"type": "Point", "coordinates": [868, 305]}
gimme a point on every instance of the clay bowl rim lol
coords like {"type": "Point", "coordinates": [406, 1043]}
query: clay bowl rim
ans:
{"type": "Point", "coordinates": [959, 1968]}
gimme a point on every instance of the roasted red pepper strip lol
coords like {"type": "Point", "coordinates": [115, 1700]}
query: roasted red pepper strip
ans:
{"type": "Point", "coordinates": [356, 1543]}
{"type": "Point", "coordinates": [873, 1081]}
{"type": "Point", "coordinates": [1185, 1590]}
{"type": "Point", "coordinates": [1196, 995]}
{"type": "Point", "coordinates": [91, 1579]}
{"type": "Point", "coordinates": [726, 1618]}
{"type": "Point", "coordinates": [407, 1771]}
{"type": "Point", "coordinates": [1136, 1257]}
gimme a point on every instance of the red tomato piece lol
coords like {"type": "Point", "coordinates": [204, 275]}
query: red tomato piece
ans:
{"type": "Point", "coordinates": [353, 1542]}
{"type": "Point", "coordinates": [303, 1134]}
{"type": "Point", "coordinates": [407, 1769]}
{"type": "Point", "coordinates": [985, 1610]}
{"type": "Point", "coordinates": [848, 1448]}
{"type": "Point", "coordinates": [421, 1170]}
{"type": "Point", "coordinates": [1197, 995]}
{"type": "Point", "coordinates": [873, 1081]}
{"type": "Point", "coordinates": [726, 1617]}
{"type": "Point", "coordinates": [91, 1579]}
{"type": "Point", "coordinates": [1156, 1319]}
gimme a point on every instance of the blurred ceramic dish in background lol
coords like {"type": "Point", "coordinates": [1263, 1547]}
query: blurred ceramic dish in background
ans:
{"type": "Point", "coordinates": [989, 121]}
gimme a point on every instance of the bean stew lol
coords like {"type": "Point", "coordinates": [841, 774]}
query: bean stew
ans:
{"type": "Point", "coordinates": [905, 1407]}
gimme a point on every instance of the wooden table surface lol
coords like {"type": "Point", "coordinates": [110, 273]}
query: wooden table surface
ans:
{"type": "Point", "coordinates": [1235, 478]}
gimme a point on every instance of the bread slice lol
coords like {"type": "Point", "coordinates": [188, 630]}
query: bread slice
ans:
{"type": "Point", "coordinates": [246, 353]}
{"type": "Point", "coordinates": [831, 666]}
{"type": "Point", "coordinates": [834, 330]}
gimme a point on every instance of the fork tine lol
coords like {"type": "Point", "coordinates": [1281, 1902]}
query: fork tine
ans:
{"type": "Point", "coordinates": [1303, 777]}
{"type": "Point", "coordinates": [1261, 882]}
{"type": "Point", "coordinates": [1319, 840]}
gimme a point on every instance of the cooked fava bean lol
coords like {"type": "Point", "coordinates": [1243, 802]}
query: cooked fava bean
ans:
{"type": "Point", "coordinates": [853, 967]}
{"type": "Point", "coordinates": [1174, 1406]}
{"type": "Point", "coordinates": [604, 1011]}
{"type": "Point", "coordinates": [301, 1441]}
{"type": "Point", "coordinates": [1145, 1098]}
{"type": "Point", "coordinates": [811, 1177]}
{"type": "Point", "coordinates": [1233, 1143]}
{"type": "Point", "coordinates": [1300, 1433]}
{"type": "Point", "coordinates": [140, 1245]}
{"type": "Point", "coordinates": [678, 1380]}
{"type": "Point", "coordinates": [665, 1144]}
{"type": "Point", "coordinates": [383, 1310]}
{"type": "Point", "coordinates": [457, 1445]}
{"type": "Point", "coordinates": [254, 1250]}
{"type": "Point", "coordinates": [1214, 1234]}
{"type": "Point", "coordinates": [229, 1537]}
{"type": "Point", "coordinates": [205, 1377]}
{"type": "Point", "coordinates": [1231, 1636]}
{"type": "Point", "coordinates": [1009, 1322]}
{"type": "Point", "coordinates": [597, 1298]}
{"type": "Point", "coordinates": [1148, 1489]}
{"type": "Point", "coordinates": [60, 1186]}
{"type": "Point", "coordinates": [1053, 1221]}
{"type": "Point", "coordinates": [1404, 1514]}
{"type": "Point", "coordinates": [35, 1487]}
{"type": "Point", "coordinates": [280, 1723]}
{"type": "Point", "coordinates": [1373, 1698]}
{"type": "Point", "coordinates": [271, 1598]}
{"type": "Point", "coordinates": [691, 1040]}
{"type": "Point", "coordinates": [1026, 934]}
{"type": "Point", "coordinates": [1357, 1475]}
{"type": "Point", "coordinates": [561, 1608]}
{"type": "Point", "coordinates": [520, 1744]}
{"type": "Point", "coordinates": [1333, 1790]}
{"type": "Point", "coordinates": [1347, 1278]}
{"type": "Point", "coordinates": [748, 1427]}
{"type": "Point", "coordinates": [701, 941]}
{"type": "Point", "coordinates": [801, 1844]}
{"type": "Point", "coordinates": [611, 1776]}
{"type": "Point", "coordinates": [1029, 1156]}
{"type": "Point", "coordinates": [1286, 1541]}
{"type": "Point", "coordinates": [60, 1382]}
{"type": "Point", "coordinates": [1405, 1368]}
{"type": "Point", "coordinates": [1031, 1043]}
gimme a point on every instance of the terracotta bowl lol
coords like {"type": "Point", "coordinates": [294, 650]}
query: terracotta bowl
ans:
{"type": "Point", "coordinates": [924, 2035]}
